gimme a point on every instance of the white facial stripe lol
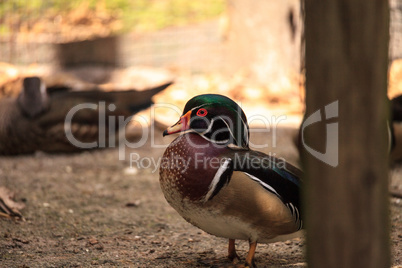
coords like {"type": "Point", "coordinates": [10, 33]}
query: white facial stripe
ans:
{"type": "Point", "coordinates": [206, 131]}
{"type": "Point", "coordinates": [209, 127]}
{"type": "Point", "coordinates": [231, 133]}
{"type": "Point", "coordinates": [197, 107]}
{"type": "Point", "coordinates": [216, 179]}
{"type": "Point", "coordinates": [187, 131]}
{"type": "Point", "coordinates": [214, 141]}
{"type": "Point", "coordinates": [245, 136]}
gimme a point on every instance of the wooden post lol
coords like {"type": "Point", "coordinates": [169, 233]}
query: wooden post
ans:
{"type": "Point", "coordinates": [347, 202]}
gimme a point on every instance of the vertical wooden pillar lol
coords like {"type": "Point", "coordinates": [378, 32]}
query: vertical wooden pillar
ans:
{"type": "Point", "coordinates": [347, 202]}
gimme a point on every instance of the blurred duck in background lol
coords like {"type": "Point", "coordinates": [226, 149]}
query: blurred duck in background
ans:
{"type": "Point", "coordinates": [35, 119]}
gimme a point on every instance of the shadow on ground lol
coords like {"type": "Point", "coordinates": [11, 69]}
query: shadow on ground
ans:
{"type": "Point", "coordinates": [92, 209]}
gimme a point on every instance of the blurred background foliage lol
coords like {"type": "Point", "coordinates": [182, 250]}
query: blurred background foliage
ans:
{"type": "Point", "coordinates": [137, 15]}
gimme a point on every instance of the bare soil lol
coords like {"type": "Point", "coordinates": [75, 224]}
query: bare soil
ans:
{"type": "Point", "coordinates": [92, 209]}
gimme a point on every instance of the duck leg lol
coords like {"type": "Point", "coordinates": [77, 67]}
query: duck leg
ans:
{"type": "Point", "coordinates": [250, 256]}
{"type": "Point", "coordinates": [232, 255]}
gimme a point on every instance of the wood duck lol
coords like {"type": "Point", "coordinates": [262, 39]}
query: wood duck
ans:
{"type": "Point", "coordinates": [35, 120]}
{"type": "Point", "coordinates": [217, 183]}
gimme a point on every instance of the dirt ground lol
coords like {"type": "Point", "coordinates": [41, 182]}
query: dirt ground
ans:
{"type": "Point", "coordinates": [92, 209]}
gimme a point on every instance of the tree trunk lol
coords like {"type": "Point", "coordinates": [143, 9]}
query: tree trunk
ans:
{"type": "Point", "coordinates": [346, 158]}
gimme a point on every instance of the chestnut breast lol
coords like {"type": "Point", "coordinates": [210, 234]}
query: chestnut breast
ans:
{"type": "Point", "coordinates": [188, 166]}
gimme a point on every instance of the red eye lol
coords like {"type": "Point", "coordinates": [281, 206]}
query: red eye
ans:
{"type": "Point", "coordinates": [202, 112]}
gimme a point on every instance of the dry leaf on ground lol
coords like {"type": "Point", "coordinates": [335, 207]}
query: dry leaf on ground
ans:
{"type": "Point", "coordinates": [8, 207]}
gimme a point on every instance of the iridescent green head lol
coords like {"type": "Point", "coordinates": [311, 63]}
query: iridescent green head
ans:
{"type": "Point", "coordinates": [216, 118]}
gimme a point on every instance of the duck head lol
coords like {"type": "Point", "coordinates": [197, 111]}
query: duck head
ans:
{"type": "Point", "coordinates": [33, 99]}
{"type": "Point", "coordinates": [216, 118]}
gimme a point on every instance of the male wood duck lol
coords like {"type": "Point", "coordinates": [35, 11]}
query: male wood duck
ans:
{"type": "Point", "coordinates": [35, 120]}
{"type": "Point", "coordinates": [217, 183]}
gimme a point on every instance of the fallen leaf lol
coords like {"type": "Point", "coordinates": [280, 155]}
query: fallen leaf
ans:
{"type": "Point", "coordinates": [8, 207]}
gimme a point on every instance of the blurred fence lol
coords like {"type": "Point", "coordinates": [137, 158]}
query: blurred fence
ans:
{"type": "Point", "coordinates": [196, 47]}
{"type": "Point", "coordinates": [199, 47]}
{"type": "Point", "coordinates": [395, 46]}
